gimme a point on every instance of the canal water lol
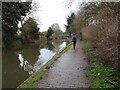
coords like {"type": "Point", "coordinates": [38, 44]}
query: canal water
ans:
{"type": "Point", "coordinates": [17, 66]}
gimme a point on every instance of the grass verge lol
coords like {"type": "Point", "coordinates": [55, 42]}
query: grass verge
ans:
{"type": "Point", "coordinates": [103, 77]}
{"type": "Point", "coordinates": [32, 81]}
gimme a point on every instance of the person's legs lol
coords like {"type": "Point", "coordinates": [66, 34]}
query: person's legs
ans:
{"type": "Point", "coordinates": [74, 44]}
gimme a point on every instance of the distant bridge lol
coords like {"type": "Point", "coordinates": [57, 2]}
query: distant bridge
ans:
{"type": "Point", "coordinates": [63, 36]}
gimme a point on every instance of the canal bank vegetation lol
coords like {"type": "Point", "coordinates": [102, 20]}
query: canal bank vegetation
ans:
{"type": "Point", "coordinates": [102, 76]}
{"type": "Point", "coordinates": [33, 80]}
{"type": "Point", "coordinates": [11, 16]}
{"type": "Point", "coordinates": [30, 31]}
{"type": "Point", "coordinates": [18, 27]}
{"type": "Point", "coordinates": [98, 23]}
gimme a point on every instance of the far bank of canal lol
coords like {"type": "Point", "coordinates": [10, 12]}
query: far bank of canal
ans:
{"type": "Point", "coordinates": [17, 66]}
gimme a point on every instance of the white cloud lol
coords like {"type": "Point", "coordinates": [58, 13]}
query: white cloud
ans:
{"type": "Point", "coordinates": [52, 11]}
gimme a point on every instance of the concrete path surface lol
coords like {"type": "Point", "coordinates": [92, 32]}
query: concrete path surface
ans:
{"type": "Point", "coordinates": [67, 71]}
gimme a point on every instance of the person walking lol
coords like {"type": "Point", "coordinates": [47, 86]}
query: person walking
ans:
{"type": "Point", "coordinates": [74, 40]}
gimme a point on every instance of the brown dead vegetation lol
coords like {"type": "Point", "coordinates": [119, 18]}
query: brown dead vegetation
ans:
{"type": "Point", "coordinates": [100, 26]}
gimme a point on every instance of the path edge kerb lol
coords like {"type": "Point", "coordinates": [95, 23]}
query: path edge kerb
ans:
{"type": "Point", "coordinates": [44, 68]}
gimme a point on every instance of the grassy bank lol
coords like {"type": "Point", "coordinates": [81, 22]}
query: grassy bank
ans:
{"type": "Point", "coordinates": [103, 77]}
{"type": "Point", "coordinates": [32, 81]}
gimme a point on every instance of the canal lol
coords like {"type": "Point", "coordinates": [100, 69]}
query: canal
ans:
{"type": "Point", "coordinates": [17, 66]}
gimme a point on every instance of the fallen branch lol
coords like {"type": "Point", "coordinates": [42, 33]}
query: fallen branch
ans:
{"type": "Point", "coordinates": [109, 81]}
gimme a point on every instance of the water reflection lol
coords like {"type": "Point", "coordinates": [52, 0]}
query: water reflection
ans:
{"type": "Point", "coordinates": [18, 66]}
{"type": "Point", "coordinates": [25, 64]}
{"type": "Point", "coordinates": [21, 60]}
{"type": "Point", "coordinates": [31, 53]}
{"type": "Point", "coordinates": [12, 73]}
{"type": "Point", "coordinates": [45, 56]}
{"type": "Point", "coordinates": [63, 45]}
{"type": "Point", "coordinates": [57, 44]}
{"type": "Point", "coordinates": [50, 45]}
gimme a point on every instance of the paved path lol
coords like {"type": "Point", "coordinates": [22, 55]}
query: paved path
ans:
{"type": "Point", "coordinates": [67, 71]}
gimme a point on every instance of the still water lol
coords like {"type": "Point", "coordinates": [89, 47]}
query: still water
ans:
{"type": "Point", "coordinates": [17, 66]}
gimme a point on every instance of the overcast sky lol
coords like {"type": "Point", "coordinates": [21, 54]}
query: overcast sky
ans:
{"type": "Point", "coordinates": [53, 11]}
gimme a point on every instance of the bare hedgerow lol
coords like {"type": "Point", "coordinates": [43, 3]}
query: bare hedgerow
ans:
{"type": "Point", "coordinates": [101, 31]}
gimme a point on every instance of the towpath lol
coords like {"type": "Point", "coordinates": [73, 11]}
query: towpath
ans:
{"type": "Point", "coordinates": [67, 71]}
